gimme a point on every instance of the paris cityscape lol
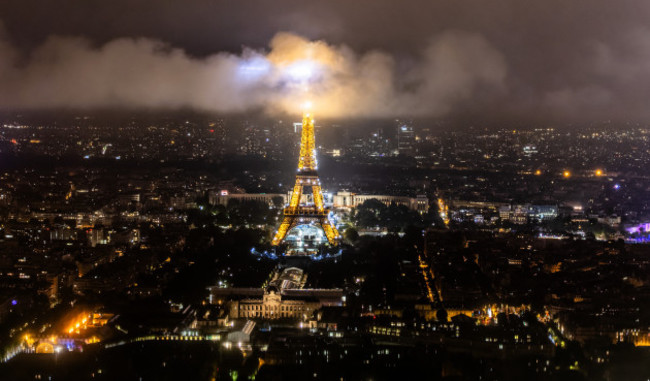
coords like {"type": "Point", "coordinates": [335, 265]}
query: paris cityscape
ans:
{"type": "Point", "coordinates": [292, 191]}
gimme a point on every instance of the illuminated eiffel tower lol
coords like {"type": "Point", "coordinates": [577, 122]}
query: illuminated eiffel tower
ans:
{"type": "Point", "coordinates": [296, 213]}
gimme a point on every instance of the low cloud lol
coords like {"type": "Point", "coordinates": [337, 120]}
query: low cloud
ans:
{"type": "Point", "coordinates": [455, 73]}
{"type": "Point", "coordinates": [475, 61]}
{"type": "Point", "coordinates": [146, 73]}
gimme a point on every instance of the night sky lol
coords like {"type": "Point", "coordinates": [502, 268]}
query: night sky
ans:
{"type": "Point", "coordinates": [563, 61]}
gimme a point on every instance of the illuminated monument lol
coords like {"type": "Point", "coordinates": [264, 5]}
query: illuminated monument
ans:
{"type": "Point", "coordinates": [297, 213]}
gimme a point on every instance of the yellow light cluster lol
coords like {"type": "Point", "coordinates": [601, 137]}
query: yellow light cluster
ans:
{"type": "Point", "coordinates": [79, 323]}
{"type": "Point", "coordinates": [306, 163]}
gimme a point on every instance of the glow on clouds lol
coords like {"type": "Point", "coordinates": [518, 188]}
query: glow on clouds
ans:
{"type": "Point", "coordinates": [146, 73]}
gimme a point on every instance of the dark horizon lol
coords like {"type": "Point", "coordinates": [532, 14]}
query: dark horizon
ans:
{"type": "Point", "coordinates": [436, 124]}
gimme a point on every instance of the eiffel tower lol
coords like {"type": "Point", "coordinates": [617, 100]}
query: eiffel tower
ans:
{"type": "Point", "coordinates": [296, 213]}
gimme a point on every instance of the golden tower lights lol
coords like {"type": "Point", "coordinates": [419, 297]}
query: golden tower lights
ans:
{"type": "Point", "coordinates": [296, 213]}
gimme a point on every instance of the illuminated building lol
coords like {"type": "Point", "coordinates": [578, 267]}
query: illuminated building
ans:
{"type": "Point", "coordinates": [530, 150]}
{"type": "Point", "coordinates": [297, 213]}
{"type": "Point", "coordinates": [523, 213]}
{"type": "Point", "coordinates": [347, 200]}
{"type": "Point", "coordinates": [405, 139]}
{"type": "Point", "coordinates": [443, 210]}
{"type": "Point", "coordinates": [284, 297]}
{"type": "Point", "coordinates": [224, 197]}
{"type": "Point", "coordinates": [339, 200]}
{"type": "Point", "coordinates": [97, 237]}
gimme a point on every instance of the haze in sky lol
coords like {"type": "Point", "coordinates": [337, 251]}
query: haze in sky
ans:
{"type": "Point", "coordinates": [503, 59]}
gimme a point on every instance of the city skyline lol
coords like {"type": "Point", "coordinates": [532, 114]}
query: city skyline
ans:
{"type": "Point", "coordinates": [465, 196]}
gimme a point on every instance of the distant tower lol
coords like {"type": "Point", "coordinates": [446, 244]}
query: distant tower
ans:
{"type": "Point", "coordinates": [296, 213]}
{"type": "Point", "coordinates": [405, 139]}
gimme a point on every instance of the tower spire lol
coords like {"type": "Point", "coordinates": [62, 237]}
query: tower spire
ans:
{"type": "Point", "coordinates": [307, 159]}
{"type": "Point", "coordinates": [297, 212]}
